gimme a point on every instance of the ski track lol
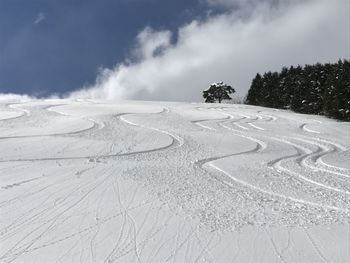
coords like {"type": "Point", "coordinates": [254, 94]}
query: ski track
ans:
{"type": "Point", "coordinates": [302, 155]}
{"type": "Point", "coordinates": [176, 141]}
{"type": "Point", "coordinates": [173, 201]}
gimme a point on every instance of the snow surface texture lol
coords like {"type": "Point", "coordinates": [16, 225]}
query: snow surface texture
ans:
{"type": "Point", "coordinates": [91, 181]}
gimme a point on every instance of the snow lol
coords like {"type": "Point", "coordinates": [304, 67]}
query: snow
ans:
{"type": "Point", "coordinates": [132, 181]}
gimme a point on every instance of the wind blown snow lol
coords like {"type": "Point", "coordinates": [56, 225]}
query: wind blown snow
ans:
{"type": "Point", "coordinates": [231, 47]}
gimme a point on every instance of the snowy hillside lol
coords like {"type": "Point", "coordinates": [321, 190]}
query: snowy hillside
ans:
{"type": "Point", "coordinates": [90, 181]}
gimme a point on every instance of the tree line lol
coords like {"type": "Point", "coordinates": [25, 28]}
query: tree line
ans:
{"type": "Point", "coordinates": [313, 89]}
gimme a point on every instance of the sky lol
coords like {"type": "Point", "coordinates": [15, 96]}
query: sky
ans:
{"type": "Point", "coordinates": [161, 49]}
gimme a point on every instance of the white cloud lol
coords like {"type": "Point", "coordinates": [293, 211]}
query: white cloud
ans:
{"type": "Point", "coordinates": [12, 97]}
{"type": "Point", "coordinates": [150, 41]}
{"type": "Point", "coordinates": [246, 5]}
{"type": "Point", "coordinates": [227, 48]}
{"type": "Point", "coordinates": [40, 18]}
{"type": "Point", "coordinates": [237, 3]}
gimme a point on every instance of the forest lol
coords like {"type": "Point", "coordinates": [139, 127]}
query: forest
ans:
{"type": "Point", "coordinates": [322, 89]}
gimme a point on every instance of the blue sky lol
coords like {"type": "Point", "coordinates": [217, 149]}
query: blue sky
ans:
{"type": "Point", "coordinates": [72, 39]}
{"type": "Point", "coordinates": [160, 49]}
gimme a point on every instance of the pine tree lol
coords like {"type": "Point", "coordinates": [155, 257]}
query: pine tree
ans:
{"type": "Point", "coordinates": [314, 89]}
{"type": "Point", "coordinates": [297, 85]}
{"type": "Point", "coordinates": [254, 92]}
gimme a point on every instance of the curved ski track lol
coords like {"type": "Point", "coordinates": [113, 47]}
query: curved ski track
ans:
{"type": "Point", "coordinates": [165, 203]}
{"type": "Point", "coordinates": [176, 140]}
{"type": "Point", "coordinates": [300, 158]}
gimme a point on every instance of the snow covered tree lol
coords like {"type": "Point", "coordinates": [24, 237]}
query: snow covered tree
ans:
{"type": "Point", "coordinates": [218, 92]}
{"type": "Point", "coordinates": [254, 93]}
{"type": "Point", "coordinates": [313, 89]}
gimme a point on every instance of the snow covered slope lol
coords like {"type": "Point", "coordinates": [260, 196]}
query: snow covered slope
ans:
{"type": "Point", "coordinates": [91, 181]}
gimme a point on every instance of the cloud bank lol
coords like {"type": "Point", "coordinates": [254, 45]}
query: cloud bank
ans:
{"type": "Point", "coordinates": [14, 97]}
{"type": "Point", "coordinates": [254, 36]}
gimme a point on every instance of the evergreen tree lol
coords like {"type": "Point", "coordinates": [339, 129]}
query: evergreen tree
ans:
{"type": "Point", "coordinates": [254, 92]}
{"type": "Point", "coordinates": [284, 89]}
{"type": "Point", "coordinates": [297, 85]}
{"type": "Point", "coordinates": [313, 89]}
